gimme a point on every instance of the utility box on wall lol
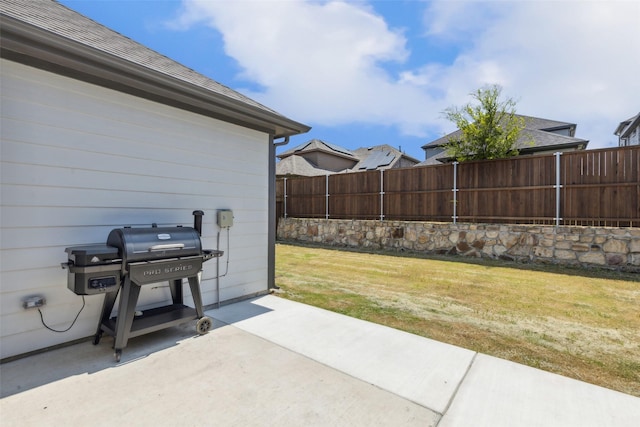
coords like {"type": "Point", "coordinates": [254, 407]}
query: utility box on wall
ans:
{"type": "Point", "coordinates": [225, 218]}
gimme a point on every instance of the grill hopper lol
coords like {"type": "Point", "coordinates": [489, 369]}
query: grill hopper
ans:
{"type": "Point", "coordinates": [93, 269]}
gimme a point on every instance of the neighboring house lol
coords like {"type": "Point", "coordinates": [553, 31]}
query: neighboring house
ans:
{"type": "Point", "coordinates": [539, 136]}
{"type": "Point", "coordinates": [628, 132]}
{"type": "Point", "coordinates": [316, 157]}
{"type": "Point", "coordinates": [100, 132]}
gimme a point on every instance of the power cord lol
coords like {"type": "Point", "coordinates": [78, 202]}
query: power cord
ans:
{"type": "Point", "coordinates": [72, 323]}
{"type": "Point", "coordinates": [226, 253]}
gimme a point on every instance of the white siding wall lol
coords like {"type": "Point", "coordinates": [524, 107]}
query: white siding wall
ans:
{"type": "Point", "coordinates": [79, 160]}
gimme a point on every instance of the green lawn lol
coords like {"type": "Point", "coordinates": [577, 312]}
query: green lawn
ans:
{"type": "Point", "coordinates": [580, 323]}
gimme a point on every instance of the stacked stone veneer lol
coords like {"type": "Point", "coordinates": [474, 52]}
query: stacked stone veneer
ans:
{"type": "Point", "coordinates": [617, 248]}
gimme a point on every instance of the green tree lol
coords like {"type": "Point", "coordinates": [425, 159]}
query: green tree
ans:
{"type": "Point", "coordinates": [489, 129]}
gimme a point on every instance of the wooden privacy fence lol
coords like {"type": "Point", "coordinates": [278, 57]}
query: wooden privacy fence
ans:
{"type": "Point", "coordinates": [593, 187]}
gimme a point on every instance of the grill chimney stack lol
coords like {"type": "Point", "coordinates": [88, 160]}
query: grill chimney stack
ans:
{"type": "Point", "coordinates": [197, 221]}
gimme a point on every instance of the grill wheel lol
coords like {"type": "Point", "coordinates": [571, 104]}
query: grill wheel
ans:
{"type": "Point", "coordinates": [203, 325]}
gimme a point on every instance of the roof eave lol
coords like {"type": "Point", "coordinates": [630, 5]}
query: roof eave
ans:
{"type": "Point", "coordinates": [301, 153]}
{"type": "Point", "coordinates": [582, 144]}
{"type": "Point", "coordinates": [435, 143]}
{"type": "Point", "coordinates": [24, 43]}
{"type": "Point", "coordinates": [630, 127]}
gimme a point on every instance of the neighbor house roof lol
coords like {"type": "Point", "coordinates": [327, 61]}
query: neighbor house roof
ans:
{"type": "Point", "coordinates": [626, 127]}
{"type": "Point", "coordinates": [380, 157]}
{"type": "Point", "coordinates": [293, 161]}
{"type": "Point", "coordinates": [48, 35]}
{"type": "Point", "coordinates": [546, 124]}
{"type": "Point", "coordinates": [299, 166]}
{"type": "Point", "coordinates": [538, 140]}
{"type": "Point", "coordinates": [315, 145]}
{"type": "Point", "coordinates": [536, 130]}
{"type": "Point", "coordinates": [530, 141]}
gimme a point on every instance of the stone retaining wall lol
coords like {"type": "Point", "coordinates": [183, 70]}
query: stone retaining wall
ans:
{"type": "Point", "coordinates": [605, 247]}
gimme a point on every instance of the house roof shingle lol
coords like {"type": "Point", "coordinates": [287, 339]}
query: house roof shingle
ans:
{"type": "Point", "coordinates": [85, 49]}
{"type": "Point", "coordinates": [298, 166]}
{"type": "Point", "coordinates": [537, 128]}
{"type": "Point", "coordinates": [318, 145]}
{"type": "Point", "coordinates": [546, 140]}
{"type": "Point", "coordinates": [377, 157]}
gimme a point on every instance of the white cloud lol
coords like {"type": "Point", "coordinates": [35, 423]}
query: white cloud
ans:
{"type": "Point", "coordinates": [320, 62]}
{"type": "Point", "coordinates": [324, 61]}
{"type": "Point", "coordinates": [567, 60]}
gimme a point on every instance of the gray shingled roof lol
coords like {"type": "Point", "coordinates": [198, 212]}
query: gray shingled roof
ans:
{"type": "Point", "coordinates": [63, 23]}
{"type": "Point", "coordinates": [318, 145]}
{"type": "Point", "coordinates": [529, 138]}
{"type": "Point", "coordinates": [299, 166]}
{"type": "Point", "coordinates": [377, 157]}
{"type": "Point", "coordinates": [625, 128]}
{"type": "Point", "coordinates": [535, 128]}
{"type": "Point", "coordinates": [544, 140]}
{"type": "Point", "coordinates": [544, 124]}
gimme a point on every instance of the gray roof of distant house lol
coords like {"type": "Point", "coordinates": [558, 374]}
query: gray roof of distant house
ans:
{"type": "Point", "coordinates": [379, 157]}
{"type": "Point", "coordinates": [48, 35]}
{"type": "Point", "coordinates": [546, 140]}
{"type": "Point", "coordinates": [538, 123]}
{"type": "Point", "coordinates": [625, 128]}
{"type": "Point", "coordinates": [537, 128]}
{"type": "Point", "coordinates": [367, 158]}
{"type": "Point", "coordinates": [298, 166]}
{"type": "Point", "coordinates": [318, 145]}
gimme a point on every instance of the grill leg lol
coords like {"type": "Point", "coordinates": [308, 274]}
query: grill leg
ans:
{"type": "Point", "coordinates": [107, 306]}
{"type": "Point", "coordinates": [194, 285]}
{"type": "Point", "coordinates": [126, 311]}
{"type": "Point", "coordinates": [176, 291]}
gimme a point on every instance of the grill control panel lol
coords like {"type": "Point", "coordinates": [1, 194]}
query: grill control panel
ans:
{"type": "Point", "coordinates": [103, 284]}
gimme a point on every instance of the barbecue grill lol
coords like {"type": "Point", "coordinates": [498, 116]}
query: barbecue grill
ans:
{"type": "Point", "coordinates": [131, 258]}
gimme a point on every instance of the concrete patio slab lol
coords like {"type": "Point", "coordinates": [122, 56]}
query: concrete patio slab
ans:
{"type": "Point", "coordinates": [225, 378]}
{"type": "Point", "coordinates": [422, 370]}
{"type": "Point", "coordinates": [498, 393]}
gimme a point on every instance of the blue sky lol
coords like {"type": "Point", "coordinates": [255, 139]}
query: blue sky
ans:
{"type": "Point", "coordinates": [364, 73]}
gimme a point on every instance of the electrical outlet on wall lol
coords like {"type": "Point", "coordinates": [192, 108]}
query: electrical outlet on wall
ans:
{"type": "Point", "coordinates": [33, 301]}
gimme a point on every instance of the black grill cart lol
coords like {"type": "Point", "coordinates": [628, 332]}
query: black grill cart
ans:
{"type": "Point", "coordinates": [135, 257]}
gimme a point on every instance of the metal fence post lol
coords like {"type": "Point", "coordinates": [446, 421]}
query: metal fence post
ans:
{"type": "Point", "coordinates": [381, 195]}
{"type": "Point", "coordinates": [326, 197]}
{"type": "Point", "coordinates": [558, 186]}
{"type": "Point", "coordinates": [284, 198]}
{"type": "Point", "coordinates": [455, 192]}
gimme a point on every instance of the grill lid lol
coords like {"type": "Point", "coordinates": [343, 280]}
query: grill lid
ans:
{"type": "Point", "coordinates": [147, 244]}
